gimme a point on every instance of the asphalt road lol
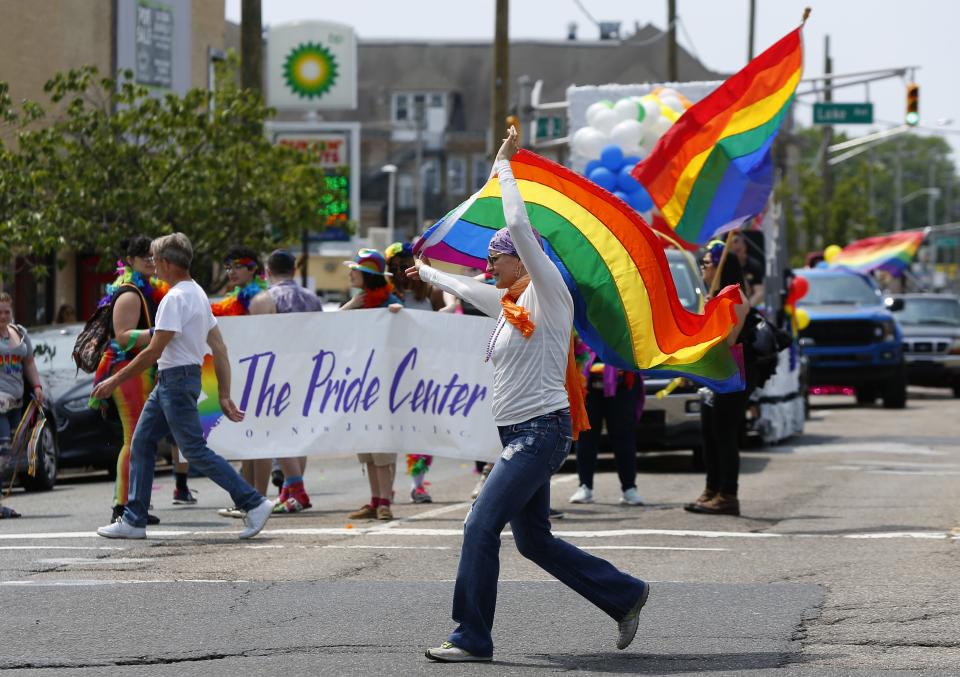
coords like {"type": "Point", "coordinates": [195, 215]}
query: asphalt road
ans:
{"type": "Point", "coordinates": [845, 562]}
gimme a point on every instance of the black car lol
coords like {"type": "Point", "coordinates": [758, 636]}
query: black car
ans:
{"type": "Point", "coordinates": [79, 437]}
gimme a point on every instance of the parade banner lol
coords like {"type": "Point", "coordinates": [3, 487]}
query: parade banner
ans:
{"type": "Point", "coordinates": [334, 384]}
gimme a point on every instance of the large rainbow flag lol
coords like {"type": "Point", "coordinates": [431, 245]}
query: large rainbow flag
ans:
{"type": "Point", "coordinates": [626, 305]}
{"type": "Point", "coordinates": [892, 253]}
{"type": "Point", "coordinates": [712, 170]}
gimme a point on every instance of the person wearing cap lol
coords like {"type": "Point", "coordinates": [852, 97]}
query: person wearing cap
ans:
{"type": "Point", "coordinates": [284, 295]}
{"type": "Point", "coordinates": [368, 272]}
{"type": "Point", "coordinates": [538, 408]}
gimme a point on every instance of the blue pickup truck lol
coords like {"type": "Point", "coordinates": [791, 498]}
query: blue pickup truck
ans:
{"type": "Point", "coordinates": [853, 339]}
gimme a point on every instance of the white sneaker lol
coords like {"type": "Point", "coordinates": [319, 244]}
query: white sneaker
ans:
{"type": "Point", "coordinates": [231, 512]}
{"type": "Point", "coordinates": [448, 653]}
{"type": "Point", "coordinates": [582, 495]}
{"type": "Point", "coordinates": [121, 529]}
{"type": "Point", "coordinates": [631, 497]}
{"type": "Point", "coordinates": [256, 518]}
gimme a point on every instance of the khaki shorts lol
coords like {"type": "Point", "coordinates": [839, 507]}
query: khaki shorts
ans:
{"type": "Point", "coordinates": [377, 459]}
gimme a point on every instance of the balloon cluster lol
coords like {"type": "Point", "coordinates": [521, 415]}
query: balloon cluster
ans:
{"type": "Point", "coordinates": [612, 172]}
{"type": "Point", "coordinates": [634, 124]}
{"type": "Point", "coordinates": [619, 135]}
{"type": "Point", "coordinates": [800, 319]}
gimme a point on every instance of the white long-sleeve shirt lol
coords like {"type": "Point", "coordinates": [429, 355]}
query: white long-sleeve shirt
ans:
{"type": "Point", "coordinates": [529, 373]}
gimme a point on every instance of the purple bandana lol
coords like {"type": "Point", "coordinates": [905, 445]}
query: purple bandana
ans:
{"type": "Point", "coordinates": [503, 243]}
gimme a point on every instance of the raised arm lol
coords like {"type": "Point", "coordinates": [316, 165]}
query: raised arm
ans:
{"type": "Point", "coordinates": [543, 272]}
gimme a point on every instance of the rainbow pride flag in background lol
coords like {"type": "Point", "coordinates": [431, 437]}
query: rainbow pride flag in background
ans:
{"type": "Point", "coordinates": [892, 253]}
{"type": "Point", "coordinates": [712, 170]}
{"type": "Point", "coordinates": [626, 305]}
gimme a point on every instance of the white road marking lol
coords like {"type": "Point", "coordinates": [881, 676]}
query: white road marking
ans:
{"type": "Point", "coordinates": [67, 561]}
{"type": "Point", "coordinates": [69, 583]}
{"type": "Point", "coordinates": [650, 547]}
{"type": "Point", "coordinates": [865, 448]}
{"type": "Point", "coordinates": [386, 547]}
{"type": "Point", "coordinates": [59, 547]}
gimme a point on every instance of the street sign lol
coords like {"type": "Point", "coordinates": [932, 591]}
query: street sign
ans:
{"type": "Point", "coordinates": [843, 113]}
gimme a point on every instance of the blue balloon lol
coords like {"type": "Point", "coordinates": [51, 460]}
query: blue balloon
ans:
{"type": "Point", "coordinates": [604, 178]}
{"type": "Point", "coordinates": [620, 194]}
{"type": "Point", "coordinates": [612, 157]}
{"type": "Point", "coordinates": [823, 264]}
{"type": "Point", "coordinates": [593, 164]}
{"type": "Point", "coordinates": [640, 200]}
{"type": "Point", "coordinates": [626, 182]}
{"type": "Point", "coordinates": [630, 160]}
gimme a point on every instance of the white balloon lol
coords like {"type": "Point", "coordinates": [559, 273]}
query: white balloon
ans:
{"type": "Point", "coordinates": [605, 120]}
{"type": "Point", "coordinates": [673, 103]}
{"type": "Point", "coordinates": [667, 92]}
{"type": "Point", "coordinates": [626, 109]}
{"type": "Point", "coordinates": [595, 108]}
{"type": "Point", "coordinates": [661, 126]}
{"type": "Point", "coordinates": [627, 134]}
{"type": "Point", "coordinates": [651, 111]}
{"type": "Point", "coordinates": [588, 142]}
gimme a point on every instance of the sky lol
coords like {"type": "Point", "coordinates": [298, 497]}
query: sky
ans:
{"type": "Point", "coordinates": [864, 35]}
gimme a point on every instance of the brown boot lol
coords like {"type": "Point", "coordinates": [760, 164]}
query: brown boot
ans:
{"type": "Point", "coordinates": [721, 504]}
{"type": "Point", "coordinates": [707, 495]}
{"type": "Point", "coordinates": [365, 512]}
{"type": "Point", "coordinates": [384, 513]}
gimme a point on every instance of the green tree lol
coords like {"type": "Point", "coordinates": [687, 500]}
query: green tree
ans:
{"type": "Point", "coordinates": [864, 189]}
{"type": "Point", "coordinates": [104, 159]}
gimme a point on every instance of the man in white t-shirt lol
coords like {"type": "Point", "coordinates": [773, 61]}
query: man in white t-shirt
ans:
{"type": "Point", "coordinates": [184, 328]}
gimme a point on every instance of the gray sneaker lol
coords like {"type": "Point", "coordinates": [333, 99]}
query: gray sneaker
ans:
{"type": "Point", "coordinates": [628, 626]}
{"type": "Point", "coordinates": [256, 518]}
{"type": "Point", "coordinates": [449, 653]}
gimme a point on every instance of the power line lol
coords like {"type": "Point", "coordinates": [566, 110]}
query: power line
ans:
{"type": "Point", "coordinates": [686, 35]}
{"type": "Point", "coordinates": [586, 13]}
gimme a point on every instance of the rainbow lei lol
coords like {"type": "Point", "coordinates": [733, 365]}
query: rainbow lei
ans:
{"type": "Point", "coordinates": [238, 301]}
{"type": "Point", "coordinates": [152, 288]}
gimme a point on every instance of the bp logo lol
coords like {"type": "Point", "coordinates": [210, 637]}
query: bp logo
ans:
{"type": "Point", "coordinates": [310, 70]}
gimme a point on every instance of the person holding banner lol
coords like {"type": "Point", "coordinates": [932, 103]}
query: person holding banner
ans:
{"type": "Point", "coordinates": [284, 295]}
{"type": "Point", "coordinates": [368, 272]}
{"type": "Point", "coordinates": [185, 327]}
{"type": "Point", "coordinates": [538, 408]}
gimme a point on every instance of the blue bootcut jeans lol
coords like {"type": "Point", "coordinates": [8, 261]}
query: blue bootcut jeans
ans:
{"type": "Point", "coordinates": [518, 492]}
{"type": "Point", "coordinates": [172, 409]}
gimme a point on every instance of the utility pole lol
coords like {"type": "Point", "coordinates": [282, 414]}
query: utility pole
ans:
{"type": "Point", "coordinates": [751, 29]}
{"type": "Point", "coordinates": [931, 195]}
{"type": "Point", "coordinates": [897, 187]}
{"type": "Point", "coordinates": [420, 111]}
{"type": "Point", "coordinates": [501, 74]}
{"type": "Point", "coordinates": [826, 174]}
{"type": "Point", "coordinates": [672, 75]}
{"type": "Point", "coordinates": [251, 45]}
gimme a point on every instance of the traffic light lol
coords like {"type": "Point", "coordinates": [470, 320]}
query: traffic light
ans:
{"type": "Point", "coordinates": [913, 104]}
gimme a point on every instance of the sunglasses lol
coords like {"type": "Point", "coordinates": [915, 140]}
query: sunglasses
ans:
{"type": "Point", "coordinates": [706, 264]}
{"type": "Point", "coordinates": [492, 260]}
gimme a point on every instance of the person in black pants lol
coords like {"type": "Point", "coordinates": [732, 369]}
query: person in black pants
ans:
{"type": "Point", "coordinates": [611, 396]}
{"type": "Point", "coordinates": [721, 414]}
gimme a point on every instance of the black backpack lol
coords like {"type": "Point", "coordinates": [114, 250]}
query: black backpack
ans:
{"type": "Point", "coordinates": [96, 335]}
{"type": "Point", "coordinates": [762, 342]}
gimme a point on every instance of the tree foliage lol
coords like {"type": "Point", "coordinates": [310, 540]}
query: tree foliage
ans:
{"type": "Point", "coordinates": [104, 159]}
{"type": "Point", "coordinates": [863, 201]}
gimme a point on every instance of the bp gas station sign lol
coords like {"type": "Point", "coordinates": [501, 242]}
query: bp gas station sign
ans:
{"type": "Point", "coordinates": [311, 65]}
